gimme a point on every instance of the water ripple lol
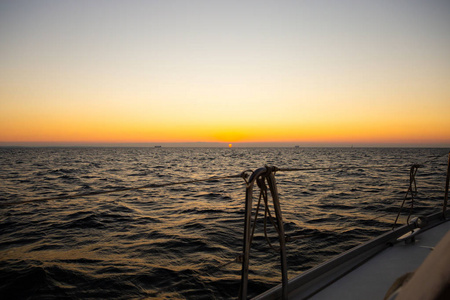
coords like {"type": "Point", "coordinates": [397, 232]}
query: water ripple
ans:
{"type": "Point", "coordinates": [180, 241]}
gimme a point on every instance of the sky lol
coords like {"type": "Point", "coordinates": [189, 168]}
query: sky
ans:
{"type": "Point", "coordinates": [303, 72]}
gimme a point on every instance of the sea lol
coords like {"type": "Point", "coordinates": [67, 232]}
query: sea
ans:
{"type": "Point", "coordinates": [180, 239]}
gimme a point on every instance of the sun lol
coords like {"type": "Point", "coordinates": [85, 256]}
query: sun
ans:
{"type": "Point", "coordinates": [230, 145]}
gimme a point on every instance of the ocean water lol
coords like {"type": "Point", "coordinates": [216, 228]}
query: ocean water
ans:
{"type": "Point", "coordinates": [180, 241]}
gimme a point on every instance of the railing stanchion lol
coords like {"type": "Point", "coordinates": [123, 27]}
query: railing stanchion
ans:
{"type": "Point", "coordinates": [261, 175]}
{"type": "Point", "coordinates": [247, 231]}
{"type": "Point", "coordinates": [446, 187]}
{"type": "Point", "coordinates": [281, 235]}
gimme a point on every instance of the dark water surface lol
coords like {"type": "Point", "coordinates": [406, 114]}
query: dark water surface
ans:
{"type": "Point", "coordinates": [178, 241]}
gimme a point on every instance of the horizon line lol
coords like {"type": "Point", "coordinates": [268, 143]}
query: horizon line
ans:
{"type": "Point", "coordinates": [199, 144]}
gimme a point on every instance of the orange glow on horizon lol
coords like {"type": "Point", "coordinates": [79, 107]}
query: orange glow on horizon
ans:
{"type": "Point", "coordinates": [142, 133]}
{"type": "Point", "coordinates": [33, 125]}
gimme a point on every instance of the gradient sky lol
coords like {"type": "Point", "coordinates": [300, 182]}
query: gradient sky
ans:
{"type": "Point", "coordinates": [225, 71]}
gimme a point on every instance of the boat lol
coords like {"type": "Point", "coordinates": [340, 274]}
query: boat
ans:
{"type": "Point", "coordinates": [409, 262]}
{"type": "Point", "coordinates": [376, 269]}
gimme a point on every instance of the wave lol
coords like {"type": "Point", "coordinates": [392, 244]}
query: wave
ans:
{"type": "Point", "coordinates": [181, 241]}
